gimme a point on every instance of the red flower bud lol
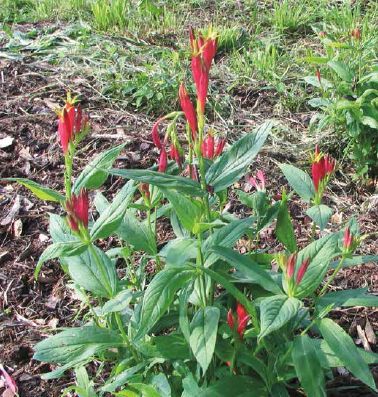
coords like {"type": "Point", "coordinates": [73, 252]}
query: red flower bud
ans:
{"type": "Point", "coordinates": [356, 34]}
{"type": "Point", "coordinates": [175, 154]}
{"type": "Point", "coordinates": [163, 160]}
{"type": "Point", "coordinates": [155, 134]}
{"type": "Point", "coordinates": [188, 108]}
{"type": "Point", "coordinates": [77, 209]}
{"type": "Point", "coordinates": [322, 166]}
{"type": "Point", "coordinates": [65, 130]}
{"type": "Point", "coordinates": [203, 52]}
{"type": "Point", "coordinates": [302, 270]}
{"type": "Point", "coordinates": [322, 34]}
{"type": "Point", "coordinates": [220, 146]}
{"type": "Point", "coordinates": [348, 239]}
{"type": "Point", "coordinates": [242, 318]}
{"type": "Point", "coordinates": [260, 186]}
{"type": "Point", "coordinates": [290, 267]}
{"type": "Point", "coordinates": [145, 190]}
{"type": "Point", "coordinates": [317, 73]}
{"type": "Point", "coordinates": [193, 173]}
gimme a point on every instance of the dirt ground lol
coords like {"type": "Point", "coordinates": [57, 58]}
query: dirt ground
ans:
{"type": "Point", "coordinates": [29, 309]}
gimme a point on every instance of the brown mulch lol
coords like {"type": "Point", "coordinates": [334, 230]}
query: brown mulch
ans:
{"type": "Point", "coordinates": [30, 309]}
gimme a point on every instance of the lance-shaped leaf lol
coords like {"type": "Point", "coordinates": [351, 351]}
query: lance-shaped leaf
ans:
{"type": "Point", "coordinates": [308, 366]}
{"type": "Point", "coordinates": [320, 214]}
{"type": "Point", "coordinates": [42, 192]}
{"type": "Point", "coordinates": [225, 236]}
{"type": "Point", "coordinates": [299, 180]}
{"type": "Point", "coordinates": [109, 221]}
{"type": "Point", "coordinates": [235, 386]}
{"type": "Point", "coordinates": [204, 328]}
{"type": "Point", "coordinates": [276, 311]}
{"type": "Point", "coordinates": [85, 270]}
{"type": "Point", "coordinates": [348, 298]}
{"type": "Point", "coordinates": [320, 253]}
{"type": "Point", "coordinates": [57, 250]}
{"type": "Point", "coordinates": [233, 163]}
{"type": "Point", "coordinates": [96, 172]}
{"type": "Point", "coordinates": [345, 349]}
{"type": "Point", "coordinates": [249, 268]}
{"type": "Point", "coordinates": [160, 294]}
{"type": "Point", "coordinates": [284, 227]}
{"type": "Point", "coordinates": [70, 344]}
{"type": "Point", "coordinates": [165, 181]}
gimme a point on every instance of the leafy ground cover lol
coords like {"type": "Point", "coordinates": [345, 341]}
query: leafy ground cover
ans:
{"type": "Point", "coordinates": [127, 71]}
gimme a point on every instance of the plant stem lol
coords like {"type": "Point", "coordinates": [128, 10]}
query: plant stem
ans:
{"type": "Point", "coordinates": [68, 174]}
{"type": "Point", "coordinates": [333, 275]}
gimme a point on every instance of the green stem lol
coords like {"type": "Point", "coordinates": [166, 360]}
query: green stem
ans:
{"type": "Point", "coordinates": [68, 175]}
{"type": "Point", "coordinates": [200, 265]}
{"type": "Point", "coordinates": [333, 275]}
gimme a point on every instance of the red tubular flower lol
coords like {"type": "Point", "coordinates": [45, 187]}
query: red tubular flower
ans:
{"type": "Point", "coordinates": [145, 190]}
{"type": "Point", "coordinates": [193, 173]}
{"type": "Point", "coordinates": [260, 185]}
{"type": "Point", "coordinates": [220, 146]}
{"type": "Point", "coordinates": [203, 52]}
{"type": "Point", "coordinates": [290, 267]}
{"type": "Point", "coordinates": [77, 209]}
{"type": "Point", "coordinates": [175, 154]}
{"type": "Point", "coordinates": [302, 270]}
{"type": "Point", "coordinates": [348, 239]}
{"type": "Point", "coordinates": [155, 134]}
{"type": "Point", "coordinates": [65, 130]}
{"type": "Point", "coordinates": [71, 121]}
{"type": "Point", "coordinates": [322, 167]}
{"type": "Point", "coordinates": [242, 318]}
{"type": "Point", "coordinates": [188, 108]}
{"type": "Point", "coordinates": [163, 160]}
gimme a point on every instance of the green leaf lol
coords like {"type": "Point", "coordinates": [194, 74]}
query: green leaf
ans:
{"type": "Point", "coordinates": [43, 193]}
{"type": "Point", "coordinates": [225, 236]}
{"type": "Point", "coordinates": [248, 268]}
{"type": "Point", "coordinates": [119, 303]}
{"type": "Point", "coordinates": [111, 218]}
{"type": "Point", "coordinates": [96, 172]}
{"type": "Point", "coordinates": [320, 214]}
{"type": "Point", "coordinates": [171, 347]}
{"type": "Point", "coordinates": [342, 70]}
{"type": "Point", "coordinates": [276, 311]}
{"type": "Point", "coordinates": [348, 298]}
{"type": "Point", "coordinates": [284, 227]}
{"type": "Point", "coordinates": [179, 251]}
{"type": "Point", "coordinates": [123, 377]}
{"type": "Point", "coordinates": [313, 80]}
{"type": "Point", "coordinates": [299, 180]}
{"type": "Point", "coordinates": [370, 122]}
{"type": "Point", "coordinates": [160, 294]}
{"type": "Point", "coordinates": [85, 272]}
{"type": "Point", "coordinates": [165, 181]}
{"type": "Point", "coordinates": [203, 336]}
{"type": "Point", "coordinates": [76, 342]}
{"type": "Point", "coordinates": [235, 386]}
{"type": "Point", "coordinates": [232, 164]}
{"type": "Point", "coordinates": [320, 253]}
{"type": "Point", "coordinates": [188, 210]}
{"type": "Point", "coordinates": [138, 234]}
{"type": "Point", "coordinates": [307, 366]}
{"type": "Point", "coordinates": [142, 389]}
{"type": "Point", "coordinates": [356, 260]}
{"type": "Point", "coordinates": [161, 384]}
{"type": "Point", "coordinates": [238, 295]}
{"type": "Point", "coordinates": [345, 349]}
{"type": "Point", "coordinates": [57, 250]}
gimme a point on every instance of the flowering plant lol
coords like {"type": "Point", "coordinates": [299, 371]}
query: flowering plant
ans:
{"type": "Point", "coordinates": [206, 320]}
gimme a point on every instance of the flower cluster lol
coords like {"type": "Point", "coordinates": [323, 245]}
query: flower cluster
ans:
{"type": "Point", "coordinates": [238, 323]}
{"type": "Point", "coordinates": [71, 123]}
{"type": "Point", "coordinates": [77, 209]}
{"type": "Point", "coordinates": [203, 50]}
{"type": "Point", "coordinates": [290, 268]}
{"type": "Point", "coordinates": [323, 166]}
